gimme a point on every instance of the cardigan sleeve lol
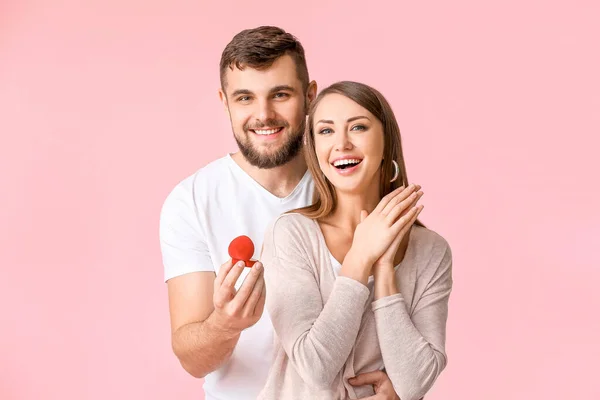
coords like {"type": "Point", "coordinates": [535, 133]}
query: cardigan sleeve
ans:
{"type": "Point", "coordinates": [316, 337]}
{"type": "Point", "coordinates": [413, 346]}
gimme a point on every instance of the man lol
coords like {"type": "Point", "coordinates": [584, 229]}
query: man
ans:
{"type": "Point", "coordinates": [219, 329]}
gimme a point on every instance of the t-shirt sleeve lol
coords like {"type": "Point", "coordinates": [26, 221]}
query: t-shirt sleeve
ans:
{"type": "Point", "coordinates": [182, 241]}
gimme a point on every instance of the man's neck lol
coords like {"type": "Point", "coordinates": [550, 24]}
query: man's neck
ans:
{"type": "Point", "coordinates": [280, 181]}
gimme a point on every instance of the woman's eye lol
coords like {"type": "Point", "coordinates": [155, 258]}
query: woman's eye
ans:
{"type": "Point", "coordinates": [359, 128]}
{"type": "Point", "coordinates": [325, 131]}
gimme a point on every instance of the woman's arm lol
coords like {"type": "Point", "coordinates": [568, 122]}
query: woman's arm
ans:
{"type": "Point", "coordinates": [413, 349]}
{"type": "Point", "coordinates": [316, 337]}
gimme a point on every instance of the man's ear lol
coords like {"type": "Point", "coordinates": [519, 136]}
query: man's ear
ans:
{"type": "Point", "coordinates": [223, 98]}
{"type": "Point", "coordinates": [311, 93]}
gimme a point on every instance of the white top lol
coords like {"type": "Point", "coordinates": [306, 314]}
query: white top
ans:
{"type": "Point", "coordinates": [199, 218]}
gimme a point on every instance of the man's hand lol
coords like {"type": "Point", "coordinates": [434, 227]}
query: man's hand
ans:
{"type": "Point", "coordinates": [236, 311]}
{"type": "Point", "coordinates": [384, 390]}
{"type": "Point", "coordinates": [208, 315]}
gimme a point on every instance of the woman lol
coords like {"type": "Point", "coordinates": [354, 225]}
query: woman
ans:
{"type": "Point", "coordinates": [355, 282]}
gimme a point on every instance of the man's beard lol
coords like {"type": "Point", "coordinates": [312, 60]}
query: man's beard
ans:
{"type": "Point", "coordinates": [281, 156]}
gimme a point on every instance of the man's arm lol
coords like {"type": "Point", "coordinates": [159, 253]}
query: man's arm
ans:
{"type": "Point", "coordinates": [207, 315]}
{"type": "Point", "coordinates": [200, 347]}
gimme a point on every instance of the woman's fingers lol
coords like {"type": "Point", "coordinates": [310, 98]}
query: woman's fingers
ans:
{"type": "Point", "coordinates": [403, 207]}
{"type": "Point", "coordinates": [399, 198]}
{"type": "Point", "coordinates": [386, 199]}
{"type": "Point", "coordinates": [406, 221]}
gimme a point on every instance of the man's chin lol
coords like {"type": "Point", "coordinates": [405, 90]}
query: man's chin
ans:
{"type": "Point", "coordinates": [266, 159]}
{"type": "Point", "coordinates": [270, 155]}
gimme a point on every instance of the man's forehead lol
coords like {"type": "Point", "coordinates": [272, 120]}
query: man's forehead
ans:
{"type": "Point", "coordinates": [281, 73]}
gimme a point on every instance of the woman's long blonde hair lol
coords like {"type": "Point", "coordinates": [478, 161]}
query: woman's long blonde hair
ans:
{"type": "Point", "coordinates": [324, 200]}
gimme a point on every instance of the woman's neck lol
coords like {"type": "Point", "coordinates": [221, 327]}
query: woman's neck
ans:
{"type": "Point", "coordinates": [349, 206]}
{"type": "Point", "coordinates": [347, 214]}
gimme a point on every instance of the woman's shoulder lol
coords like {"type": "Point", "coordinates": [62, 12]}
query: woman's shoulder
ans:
{"type": "Point", "coordinates": [293, 226]}
{"type": "Point", "coordinates": [291, 234]}
{"type": "Point", "coordinates": [292, 220]}
{"type": "Point", "coordinates": [430, 237]}
{"type": "Point", "coordinates": [429, 247]}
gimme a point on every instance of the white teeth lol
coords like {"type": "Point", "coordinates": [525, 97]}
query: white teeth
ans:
{"type": "Point", "coordinates": [337, 163]}
{"type": "Point", "coordinates": [266, 131]}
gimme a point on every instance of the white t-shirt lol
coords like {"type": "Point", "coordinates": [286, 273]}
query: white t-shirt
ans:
{"type": "Point", "coordinates": [199, 218]}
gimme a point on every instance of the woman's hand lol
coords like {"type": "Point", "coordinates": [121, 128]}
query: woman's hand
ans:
{"type": "Point", "coordinates": [379, 230]}
{"type": "Point", "coordinates": [387, 258]}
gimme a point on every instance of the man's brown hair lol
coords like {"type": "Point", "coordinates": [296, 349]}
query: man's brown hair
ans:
{"type": "Point", "coordinates": [258, 48]}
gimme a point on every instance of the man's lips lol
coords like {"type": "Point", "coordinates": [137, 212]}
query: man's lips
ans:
{"type": "Point", "coordinates": [266, 131]}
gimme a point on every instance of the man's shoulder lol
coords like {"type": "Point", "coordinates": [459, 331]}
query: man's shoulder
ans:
{"type": "Point", "coordinates": [192, 191]}
{"type": "Point", "coordinates": [210, 173]}
{"type": "Point", "coordinates": [202, 178]}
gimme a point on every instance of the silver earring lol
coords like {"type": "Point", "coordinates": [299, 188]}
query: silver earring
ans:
{"type": "Point", "coordinates": [396, 171]}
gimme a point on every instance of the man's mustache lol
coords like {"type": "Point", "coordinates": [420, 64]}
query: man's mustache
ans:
{"type": "Point", "coordinates": [271, 123]}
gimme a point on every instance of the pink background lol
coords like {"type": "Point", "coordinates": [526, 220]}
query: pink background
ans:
{"type": "Point", "coordinates": [104, 107]}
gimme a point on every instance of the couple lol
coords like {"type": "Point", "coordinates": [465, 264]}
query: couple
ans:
{"type": "Point", "coordinates": [355, 288]}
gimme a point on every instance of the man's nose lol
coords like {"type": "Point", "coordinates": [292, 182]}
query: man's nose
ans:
{"type": "Point", "coordinates": [265, 111]}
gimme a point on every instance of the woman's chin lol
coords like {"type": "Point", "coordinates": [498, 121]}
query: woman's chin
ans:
{"type": "Point", "coordinates": [354, 188]}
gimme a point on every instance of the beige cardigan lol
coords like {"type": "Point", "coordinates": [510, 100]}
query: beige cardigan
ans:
{"type": "Point", "coordinates": [329, 329]}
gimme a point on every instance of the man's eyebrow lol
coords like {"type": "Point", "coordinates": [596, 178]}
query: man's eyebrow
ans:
{"type": "Point", "coordinates": [240, 91]}
{"type": "Point", "coordinates": [280, 88]}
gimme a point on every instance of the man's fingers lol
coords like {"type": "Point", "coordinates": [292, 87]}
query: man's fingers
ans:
{"type": "Point", "coordinates": [254, 278]}
{"type": "Point", "coordinates": [368, 378]}
{"type": "Point", "coordinates": [254, 297]}
{"type": "Point", "coordinates": [226, 292]}
{"type": "Point", "coordinates": [382, 396]}
{"type": "Point", "coordinates": [229, 281]}
{"type": "Point", "coordinates": [256, 302]}
{"type": "Point", "coordinates": [223, 271]}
